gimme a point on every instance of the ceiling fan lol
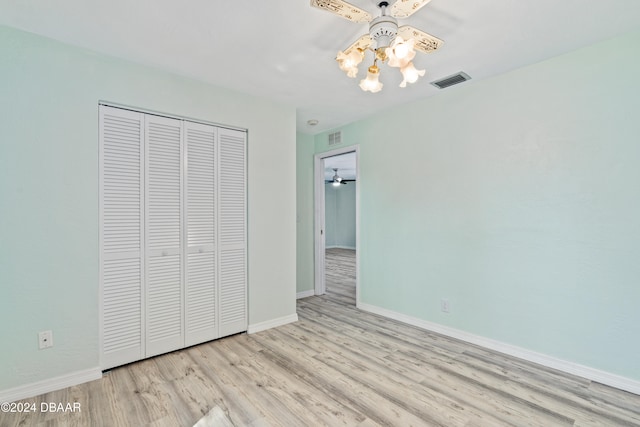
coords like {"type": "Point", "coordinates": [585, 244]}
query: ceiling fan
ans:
{"type": "Point", "coordinates": [337, 180]}
{"type": "Point", "coordinates": [394, 45]}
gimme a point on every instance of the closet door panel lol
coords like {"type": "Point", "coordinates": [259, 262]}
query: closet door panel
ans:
{"type": "Point", "coordinates": [121, 236]}
{"type": "Point", "coordinates": [200, 282]}
{"type": "Point", "coordinates": [201, 310]}
{"type": "Point", "coordinates": [164, 311]}
{"type": "Point", "coordinates": [173, 233]}
{"type": "Point", "coordinates": [232, 232]}
{"type": "Point", "coordinates": [122, 315]}
{"type": "Point", "coordinates": [164, 296]}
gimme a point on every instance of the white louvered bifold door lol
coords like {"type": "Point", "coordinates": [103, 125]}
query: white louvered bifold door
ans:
{"type": "Point", "coordinates": [200, 281]}
{"type": "Point", "coordinates": [173, 234]}
{"type": "Point", "coordinates": [232, 231]}
{"type": "Point", "coordinates": [121, 236]}
{"type": "Point", "coordinates": [164, 290]}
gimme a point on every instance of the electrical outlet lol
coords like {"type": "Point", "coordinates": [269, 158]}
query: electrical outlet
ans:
{"type": "Point", "coordinates": [45, 339]}
{"type": "Point", "coordinates": [444, 305]}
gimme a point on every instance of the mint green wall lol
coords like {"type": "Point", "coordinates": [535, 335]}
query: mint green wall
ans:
{"type": "Point", "coordinates": [304, 185]}
{"type": "Point", "coordinates": [49, 194]}
{"type": "Point", "coordinates": [520, 203]}
{"type": "Point", "coordinates": [330, 216]}
{"type": "Point", "coordinates": [340, 215]}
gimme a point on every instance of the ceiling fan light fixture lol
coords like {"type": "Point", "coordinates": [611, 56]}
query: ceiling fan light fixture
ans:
{"type": "Point", "coordinates": [371, 83]}
{"type": "Point", "coordinates": [348, 62]}
{"type": "Point", "coordinates": [389, 43]}
{"type": "Point", "coordinates": [401, 52]}
{"type": "Point", "coordinates": [410, 74]}
{"type": "Point", "coordinates": [336, 179]}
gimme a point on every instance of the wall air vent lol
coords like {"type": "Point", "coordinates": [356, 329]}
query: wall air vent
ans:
{"type": "Point", "coordinates": [451, 80]}
{"type": "Point", "coordinates": [335, 138]}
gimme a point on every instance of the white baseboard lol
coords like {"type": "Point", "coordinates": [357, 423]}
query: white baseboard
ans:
{"type": "Point", "coordinates": [263, 326]}
{"type": "Point", "coordinates": [340, 247]}
{"type": "Point", "coordinates": [305, 294]}
{"type": "Point", "coordinates": [592, 374]}
{"type": "Point", "coordinates": [45, 386]}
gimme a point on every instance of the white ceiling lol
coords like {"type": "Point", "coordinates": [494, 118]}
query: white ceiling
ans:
{"type": "Point", "coordinates": [284, 49]}
{"type": "Point", "coordinates": [345, 163]}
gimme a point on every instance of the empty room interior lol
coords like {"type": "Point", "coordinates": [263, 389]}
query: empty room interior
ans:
{"type": "Point", "coordinates": [314, 212]}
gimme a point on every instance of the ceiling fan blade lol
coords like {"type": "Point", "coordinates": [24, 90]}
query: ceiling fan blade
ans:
{"type": "Point", "coordinates": [406, 8]}
{"type": "Point", "coordinates": [362, 43]}
{"type": "Point", "coordinates": [424, 42]}
{"type": "Point", "coordinates": [343, 9]}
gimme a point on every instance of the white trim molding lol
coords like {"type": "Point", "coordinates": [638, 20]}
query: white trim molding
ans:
{"type": "Point", "coordinates": [319, 216]}
{"type": "Point", "coordinates": [572, 368]}
{"type": "Point", "coordinates": [305, 294]}
{"type": "Point", "coordinates": [273, 323]}
{"type": "Point", "coordinates": [52, 384]}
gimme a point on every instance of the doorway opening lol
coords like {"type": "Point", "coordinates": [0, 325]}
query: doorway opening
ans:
{"type": "Point", "coordinates": [336, 224]}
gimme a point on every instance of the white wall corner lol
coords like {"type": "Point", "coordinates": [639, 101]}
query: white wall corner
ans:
{"type": "Point", "coordinates": [305, 294]}
{"type": "Point", "coordinates": [273, 323]}
{"type": "Point", "coordinates": [589, 373]}
{"type": "Point", "coordinates": [46, 386]}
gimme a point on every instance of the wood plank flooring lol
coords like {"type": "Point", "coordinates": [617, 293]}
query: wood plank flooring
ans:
{"type": "Point", "coordinates": [337, 366]}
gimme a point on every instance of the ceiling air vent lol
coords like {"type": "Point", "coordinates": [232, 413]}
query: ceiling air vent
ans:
{"type": "Point", "coordinates": [451, 80]}
{"type": "Point", "coordinates": [335, 138]}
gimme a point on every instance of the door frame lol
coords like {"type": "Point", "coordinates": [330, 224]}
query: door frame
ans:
{"type": "Point", "coordinates": [320, 286]}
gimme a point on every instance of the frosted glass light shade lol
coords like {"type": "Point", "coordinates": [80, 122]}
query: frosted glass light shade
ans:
{"type": "Point", "coordinates": [410, 74]}
{"type": "Point", "coordinates": [371, 83]}
{"type": "Point", "coordinates": [349, 62]}
{"type": "Point", "coordinates": [401, 52]}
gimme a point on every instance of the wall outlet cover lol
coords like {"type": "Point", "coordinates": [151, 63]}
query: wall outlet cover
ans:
{"type": "Point", "coordinates": [45, 339]}
{"type": "Point", "coordinates": [444, 305]}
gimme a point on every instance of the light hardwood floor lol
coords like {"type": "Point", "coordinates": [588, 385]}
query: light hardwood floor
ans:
{"type": "Point", "coordinates": [337, 366]}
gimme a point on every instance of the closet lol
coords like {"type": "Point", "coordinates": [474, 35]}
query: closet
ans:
{"type": "Point", "coordinates": [172, 234]}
